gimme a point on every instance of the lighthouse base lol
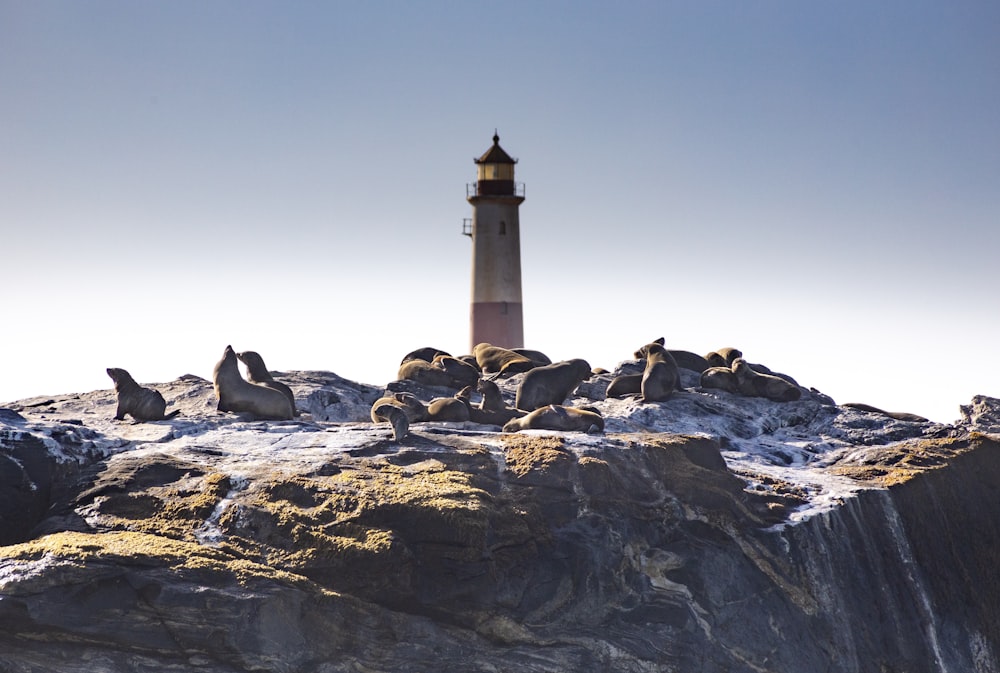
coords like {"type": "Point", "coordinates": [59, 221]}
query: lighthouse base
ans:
{"type": "Point", "coordinates": [500, 323]}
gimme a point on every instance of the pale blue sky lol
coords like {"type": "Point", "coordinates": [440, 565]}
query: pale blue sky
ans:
{"type": "Point", "coordinates": [815, 183]}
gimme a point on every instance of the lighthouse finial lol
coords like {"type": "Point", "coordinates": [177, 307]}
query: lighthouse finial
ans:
{"type": "Point", "coordinates": [496, 137]}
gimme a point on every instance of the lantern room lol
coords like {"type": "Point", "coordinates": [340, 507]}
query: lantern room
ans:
{"type": "Point", "coordinates": [495, 171]}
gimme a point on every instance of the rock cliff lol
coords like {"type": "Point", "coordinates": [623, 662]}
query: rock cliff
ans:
{"type": "Point", "coordinates": [711, 533]}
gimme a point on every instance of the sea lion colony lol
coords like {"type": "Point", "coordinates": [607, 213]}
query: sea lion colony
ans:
{"type": "Point", "coordinates": [545, 386]}
{"type": "Point", "coordinates": [652, 378]}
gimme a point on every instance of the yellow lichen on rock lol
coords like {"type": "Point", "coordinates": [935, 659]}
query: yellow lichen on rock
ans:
{"type": "Point", "coordinates": [898, 463]}
{"type": "Point", "coordinates": [126, 548]}
{"type": "Point", "coordinates": [525, 453]}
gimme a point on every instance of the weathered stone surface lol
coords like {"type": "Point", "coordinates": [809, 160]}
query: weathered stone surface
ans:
{"type": "Point", "coordinates": [710, 533]}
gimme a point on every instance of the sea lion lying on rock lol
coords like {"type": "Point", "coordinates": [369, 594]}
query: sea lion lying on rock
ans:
{"type": "Point", "coordinates": [257, 373]}
{"type": "Point", "coordinates": [558, 417]}
{"type": "Point", "coordinates": [721, 378]}
{"type": "Point", "coordinates": [427, 354]}
{"type": "Point", "coordinates": [723, 357]}
{"type": "Point", "coordinates": [448, 409]}
{"type": "Point", "coordinates": [763, 369]}
{"type": "Point", "coordinates": [550, 384]}
{"type": "Point", "coordinates": [538, 357]}
{"type": "Point", "coordinates": [237, 394]}
{"type": "Point", "coordinates": [501, 361]}
{"type": "Point", "coordinates": [685, 359]}
{"type": "Point", "coordinates": [898, 415]}
{"type": "Point", "coordinates": [624, 385]}
{"type": "Point", "coordinates": [461, 372]}
{"type": "Point", "coordinates": [689, 360]}
{"type": "Point", "coordinates": [143, 404]}
{"type": "Point", "coordinates": [425, 373]}
{"type": "Point", "coordinates": [399, 410]}
{"type": "Point", "coordinates": [754, 384]}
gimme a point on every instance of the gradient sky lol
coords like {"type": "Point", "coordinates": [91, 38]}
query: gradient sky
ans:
{"type": "Point", "coordinates": [815, 183]}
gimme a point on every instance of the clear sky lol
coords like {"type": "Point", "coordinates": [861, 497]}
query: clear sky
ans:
{"type": "Point", "coordinates": [815, 183]}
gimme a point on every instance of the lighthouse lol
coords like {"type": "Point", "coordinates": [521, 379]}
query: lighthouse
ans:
{"type": "Point", "coordinates": [496, 316]}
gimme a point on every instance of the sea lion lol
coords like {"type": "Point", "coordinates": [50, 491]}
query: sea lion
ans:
{"type": "Point", "coordinates": [399, 410]}
{"type": "Point", "coordinates": [257, 373]}
{"type": "Point", "coordinates": [684, 359]}
{"type": "Point", "coordinates": [660, 378]}
{"type": "Point", "coordinates": [558, 417]}
{"type": "Point", "coordinates": [491, 410]}
{"type": "Point", "coordinates": [492, 399]}
{"type": "Point", "coordinates": [763, 385]}
{"type": "Point", "coordinates": [143, 404]}
{"type": "Point", "coordinates": [550, 384]}
{"type": "Point", "coordinates": [237, 394]}
{"type": "Point", "coordinates": [723, 357]}
{"type": "Point", "coordinates": [898, 415]}
{"type": "Point", "coordinates": [501, 361]}
{"type": "Point", "coordinates": [470, 359]}
{"type": "Point", "coordinates": [461, 372]}
{"type": "Point", "coordinates": [689, 360]}
{"type": "Point", "coordinates": [425, 373]}
{"type": "Point", "coordinates": [763, 369]}
{"type": "Point", "coordinates": [427, 354]}
{"type": "Point", "coordinates": [721, 378]}
{"type": "Point", "coordinates": [448, 409]}
{"type": "Point", "coordinates": [535, 356]}
{"type": "Point", "coordinates": [624, 385]}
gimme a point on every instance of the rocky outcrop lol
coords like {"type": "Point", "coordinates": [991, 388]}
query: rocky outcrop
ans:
{"type": "Point", "coordinates": [711, 533]}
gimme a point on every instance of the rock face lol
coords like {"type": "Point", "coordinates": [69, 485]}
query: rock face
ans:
{"type": "Point", "coordinates": [711, 533]}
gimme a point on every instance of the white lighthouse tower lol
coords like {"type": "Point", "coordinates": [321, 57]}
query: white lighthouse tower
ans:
{"type": "Point", "coordinates": [496, 316]}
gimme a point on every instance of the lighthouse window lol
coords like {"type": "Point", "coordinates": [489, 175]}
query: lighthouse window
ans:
{"type": "Point", "coordinates": [503, 228]}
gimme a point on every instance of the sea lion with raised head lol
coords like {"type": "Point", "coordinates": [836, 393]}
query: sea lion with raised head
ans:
{"type": "Point", "coordinates": [550, 384]}
{"type": "Point", "coordinates": [491, 410]}
{"type": "Point", "coordinates": [492, 399]}
{"type": "Point", "coordinates": [399, 410]}
{"type": "Point", "coordinates": [257, 373]}
{"type": "Point", "coordinates": [142, 404]}
{"type": "Point", "coordinates": [237, 394]}
{"type": "Point", "coordinates": [660, 378]}
{"type": "Point", "coordinates": [558, 417]}
{"type": "Point", "coordinates": [754, 384]}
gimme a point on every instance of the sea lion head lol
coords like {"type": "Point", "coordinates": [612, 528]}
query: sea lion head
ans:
{"type": "Point", "coordinates": [118, 375]}
{"type": "Point", "coordinates": [254, 363]}
{"type": "Point", "coordinates": [582, 368]}
{"type": "Point", "coordinates": [642, 352]}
